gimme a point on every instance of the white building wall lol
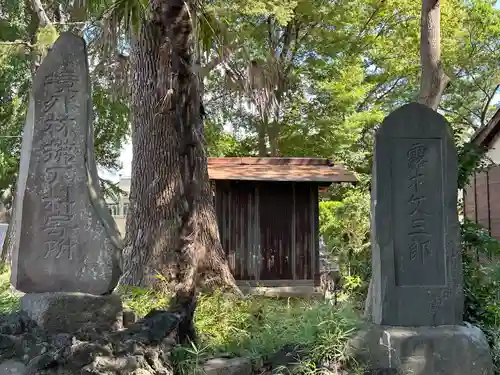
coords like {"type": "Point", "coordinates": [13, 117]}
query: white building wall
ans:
{"type": "Point", "coordinates": [494, 152]}
{"type": "Point", "coordinates": [119, 209]}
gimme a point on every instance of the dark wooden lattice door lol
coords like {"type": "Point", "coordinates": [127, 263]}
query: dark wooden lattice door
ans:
{"type": "Point", "coordinates": [276, 207]}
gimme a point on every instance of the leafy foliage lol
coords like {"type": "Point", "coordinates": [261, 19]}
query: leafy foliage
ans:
{"type": "Point", "coordinates": [14, 83]}
{"type": "Point", "coordinates": [347, 66]}
{"type": "Point", "coordinates": [345, 228]}
{"type": "Point", "coordinates": [22, 42]}
{"type": "Point", "coordinates": [470, 160]}
{"type": "Point", "coordinates": [9, 300]}
{"type": "Point", "coordinates": [480, 254]}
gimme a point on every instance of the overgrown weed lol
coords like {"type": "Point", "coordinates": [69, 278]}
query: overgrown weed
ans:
{"type": "Point", "coordinates": [9, 300]}
{"type": "Point", "coordinates": [254, 327]}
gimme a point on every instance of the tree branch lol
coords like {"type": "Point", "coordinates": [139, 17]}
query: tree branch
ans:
{"type": "Point", "coordinates": [17, 43]}
{"type": "Point", "coordinates": [227, 52]}
{"type": "Point", "coordinates": [372, 93]}
{"type": "Point", "coordinates": [370, 18]}
{"type": "Point", "coordinates": [42, 16]}
{"type": "Point", "coordinates": [487, 104]}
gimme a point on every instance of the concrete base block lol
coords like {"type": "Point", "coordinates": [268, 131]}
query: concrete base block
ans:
{"type": "Point", "coordinates": [70, 312]}
{"type": "Point", "coordinates": [228, 366]}
{"type": "Point", "coordinates": [446, 350]}
{"type": "Point", "coordinates": [11, 367]}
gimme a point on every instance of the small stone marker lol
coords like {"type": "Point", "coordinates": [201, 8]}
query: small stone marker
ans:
{"type": "Point", "coordinates": [3, 233]}
{"type": "Point", "coordinates": [416, 260]}
{"type": "Point", "coordinates": [63, 238]}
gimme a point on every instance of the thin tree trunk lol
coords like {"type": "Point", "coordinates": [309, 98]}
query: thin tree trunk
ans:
{"type": "Point", "coordinates": [433, 80]}
{"type": "Point", "coordinates": [171, 225]}
{"type": "Point", "coordinates": [273, 134]}
{"type": "Point", "coordinates": [262, 146]}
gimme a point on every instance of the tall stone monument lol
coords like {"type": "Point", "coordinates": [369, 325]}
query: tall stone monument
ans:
{"type": "Point", "coordinates": [62, 236]}
{"type": "Point", "coordinates": [416, 293]}
{"type": "Point", "coordinates": [416, 259]}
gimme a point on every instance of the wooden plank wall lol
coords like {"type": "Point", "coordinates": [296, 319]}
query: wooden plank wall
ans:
{"type": "Point", "coordinates": [269, 230]}
{"type": "Point", "coordinates": [482, 200]}
{"type": "Point", "coordinates": [238, 228]}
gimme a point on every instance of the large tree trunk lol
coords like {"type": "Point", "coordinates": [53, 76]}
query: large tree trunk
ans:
{"type": "Point", "coordinates": [433, 80]}
{"type": "Point", "coordinates": [171, 225]}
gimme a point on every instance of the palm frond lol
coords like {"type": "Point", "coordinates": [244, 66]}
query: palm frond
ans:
{"type": "Point", "coordinates": [126, 15]}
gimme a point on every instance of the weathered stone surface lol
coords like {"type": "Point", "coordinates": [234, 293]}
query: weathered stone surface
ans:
{"type": "Point", "coordinates": [416, 260]}
{"type": "Point", "coordinates": [450, 350]}
{"type": "Point", "coordinates": [142, 350]}
{"type": "Point", "coordinates": [12, 368]}
{"type": "Point", "coordinates": [129, 318]}
{"type": "Point", "coordinates": [228, 366]}
{"type": "Point", "coordinates": [70, 312]}
{"type": "Point", "coordinates": [62, 237]}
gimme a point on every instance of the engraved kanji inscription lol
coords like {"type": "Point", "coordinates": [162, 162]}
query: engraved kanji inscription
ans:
{"type": "Point", "coordinates": [60, 221]}
{"type": "Point", "coordinates": [60, 85]}
{"type": "Point", "coordinates": [62, 248]}
{"type": "Point", "coordinates": [59, 151]}
{"type": "Point", "coordinates": [416, 156]}
{"type": "Point", "coordinates": [419, 248]}
{"type": "Point", "coordinates": [417, 195]}
{"type": "Point", "coordinates": [59, 145]}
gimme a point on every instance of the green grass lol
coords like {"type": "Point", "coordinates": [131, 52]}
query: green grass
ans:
{"type": "Point", "coordinates": [259, 326]}
{"type": "Point", "coordinates": [9, 301]}
{"type": "Point", "coordinates": [253, 327]}
{"type": "Point", "coordinates": [142, 301]}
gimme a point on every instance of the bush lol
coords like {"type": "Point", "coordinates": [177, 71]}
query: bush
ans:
{"type": "Point", "coordinates": [345, 228]}
{"type": "Point", "coordinates": [9, 301]}
{"type": "Point", "coordinates": [480, 254]}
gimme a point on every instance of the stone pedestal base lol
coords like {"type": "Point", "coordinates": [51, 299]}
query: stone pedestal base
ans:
{"type": "Point", "coordinates": [447, 350]}
{"type": "Point", "coordinates": [70, 312]}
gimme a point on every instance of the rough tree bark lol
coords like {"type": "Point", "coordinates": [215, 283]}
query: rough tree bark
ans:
{"type": "Point", "coordinates": [433, 80]}
{"type": "Point", "coordinates": [171, 226]}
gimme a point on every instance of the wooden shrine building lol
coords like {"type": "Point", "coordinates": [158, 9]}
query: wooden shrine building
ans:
{"type": "Point", "coordinates": [482, 195]}
{"type": "Point", "coordinates": [267, 212]}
